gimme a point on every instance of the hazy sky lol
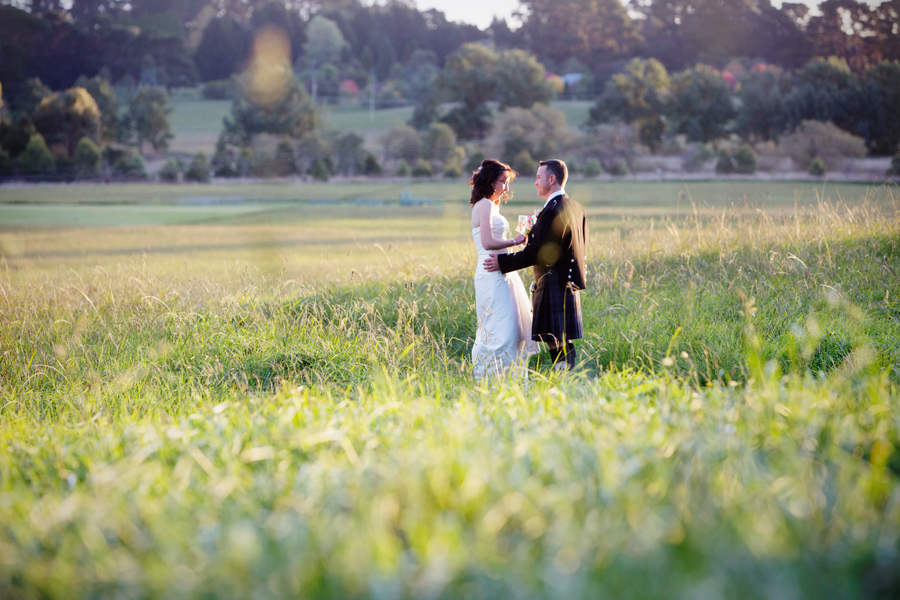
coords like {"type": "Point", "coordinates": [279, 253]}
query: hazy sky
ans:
{"type": "Point", "coordinates": [482, 12]}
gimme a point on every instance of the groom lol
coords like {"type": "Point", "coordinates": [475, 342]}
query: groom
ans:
{"type": "Point", "coordinates": [556, 249]}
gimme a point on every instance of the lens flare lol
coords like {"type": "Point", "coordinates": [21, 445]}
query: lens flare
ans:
{"type": "Point", "coordinates": [268, 78]}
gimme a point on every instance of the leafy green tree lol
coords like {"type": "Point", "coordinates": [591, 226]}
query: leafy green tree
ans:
{"type": "Point", "coordinates": [744, 160]}
{"type": "Point", "coordinates": [290, 113]}
{"type": "Point", "coordinates": [148, 114]}
{"type": "Point", "coordinates": [87, 158]}
{"type": "Point", "coordinates": [700, 104]}
{"type": "Point", "coordinates": [637, 96]}
{"type": "Point", "coordinates": [401, 142]}
{"type": "Point", "coordinates": [438, 143]}
{"type": "Point", "coordinates": [324, 41]}
{"type": "Point", "coordinates": [36, 160]}
{"type": "Point", "coordinates": [170, 171]}
{"type": "Point", "coordinates": [15, 136]}
{"type": "Point", "coordinates": [422, 168]}
{"type": "Point", "coordinates": [520, 80]}
{"type": "Point", "coordinates": [285, 161]}
{"type": "Point", "coordinates": [350, 153]}
{"type": "Point", "coordinates": [759, 114]}
{"type": "Point", "coordinates": [63, 118]}
{"type": "Point", "coordinates": [105, 97]}
{"type": "Point", "coordinates": [198, 169]}
{"type": "Point", "coordinates": [540, 131]}
{"type": "Point", "coordinates": [129, 166]}
{"type": "Point", "coordinates": [879, 102]}
{"type": "Point", "coordinates": [593, 31]}
{"type": "Point", "coordinates": [469, 77]}
{"type": "Point", "coordinates": [320, 171]}
{"type": "Point", "coordinates": [222, 47]}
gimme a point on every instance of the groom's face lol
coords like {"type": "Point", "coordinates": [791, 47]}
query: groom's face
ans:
{"type": "Point", "coordinates": [543, 181]}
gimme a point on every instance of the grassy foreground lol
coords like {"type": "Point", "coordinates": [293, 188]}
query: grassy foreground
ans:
{"type": "Point", "coordinates": [268, 405]}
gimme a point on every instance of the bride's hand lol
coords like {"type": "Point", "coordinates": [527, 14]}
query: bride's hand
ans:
{"type": "Point", "coordinates": [519, 239]}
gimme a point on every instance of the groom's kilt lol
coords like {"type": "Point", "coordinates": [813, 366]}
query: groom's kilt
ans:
{"type": "Point", "coordinates": [557, 311]}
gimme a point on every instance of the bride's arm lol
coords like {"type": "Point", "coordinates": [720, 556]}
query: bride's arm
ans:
{"type": "Point", "coordinates": [488, 240]}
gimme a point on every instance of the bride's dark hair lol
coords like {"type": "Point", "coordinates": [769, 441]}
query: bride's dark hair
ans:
{"type": "Point", "coordinates": [482, 180]}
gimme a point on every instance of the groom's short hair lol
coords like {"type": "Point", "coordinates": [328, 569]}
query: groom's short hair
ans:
{"type": "Point", "coordinates": [558, 169]}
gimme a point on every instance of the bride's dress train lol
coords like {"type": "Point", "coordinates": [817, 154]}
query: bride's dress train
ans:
{"type": "Point", "coordinates": [503, 338]}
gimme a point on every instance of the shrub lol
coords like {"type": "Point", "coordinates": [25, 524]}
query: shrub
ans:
{"type": "Point", "coordinates": [370, 165]}
{"type": "Point", "coordinates": [523, 162]}
{"type": "Point", "coordinates": [198, 170]}
{"type": "Point", "coordinates": [222, 89]}
{"type": "Point", "coordinates": [169, 172]}
{"type": "Point", "coordinates": [130, 166]}
{"type": "Point", "coordinates": [824, 140]}
{"type": "Point", "coordinates": [744, 160]}
{"type": "Point", "coordinates": [422, 168]}
{"type": "Point", "coordinates": [724, 164]}
{"type": "Point", "coordinates": [619, 168]}
{"type": "Point", "coordinates": [88, 158]}
{"type": "Point", "coordinates": [817, 167]}
{"type": "Point", "coordinates": [573, 165]}
{"type": "Point", "coordinates": [452, 172]}
{"type": "Point", "coordinates": [402, 168]}
{"type": "Point", "coordinates": [592, 168]}
{"type": "Point", "coordinates": [223, 164]}
{"type": "Point", "coordinates": [894, 169]}
{"type": "Point", "coordinates": [474, 161]}
{"type": "Point", "coordinates": [698, 157]}
{"type": "Point", "coordinates": [319, 170]}
{"type": "Point", "coordinates": [285, 164]}
{"type": "Point", "coordinates": [6, 163]}
{"type": "Point", "coordinates": [36, 159]}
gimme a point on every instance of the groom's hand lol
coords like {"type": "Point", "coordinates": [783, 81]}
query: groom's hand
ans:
{"type": "Point", "coordinates": [490, 263]}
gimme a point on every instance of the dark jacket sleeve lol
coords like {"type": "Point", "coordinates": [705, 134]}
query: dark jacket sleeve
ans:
{"type": "Point", "coordinates": [529, 256]}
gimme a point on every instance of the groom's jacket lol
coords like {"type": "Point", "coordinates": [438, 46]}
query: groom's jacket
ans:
{"type": "Point", "coordinates": [557, 241]}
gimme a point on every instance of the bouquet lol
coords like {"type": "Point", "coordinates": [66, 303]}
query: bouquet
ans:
{"type": "Point", "coordinates": [526, 222]}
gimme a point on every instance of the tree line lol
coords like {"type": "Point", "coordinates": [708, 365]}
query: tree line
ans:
{"type": "Point", "coordinates": [698, 72]}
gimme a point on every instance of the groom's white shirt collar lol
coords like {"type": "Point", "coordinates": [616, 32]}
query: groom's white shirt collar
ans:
{"type": "Point", "coordinates": [554, 195]}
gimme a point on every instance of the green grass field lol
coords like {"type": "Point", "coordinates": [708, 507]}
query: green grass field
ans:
{"type": "Point", "coordinates": [197, 123]}
{"type": "Point", "coordinates": [264, 391]}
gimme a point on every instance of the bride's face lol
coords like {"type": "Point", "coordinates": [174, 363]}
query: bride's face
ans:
{"type": "Point", "coordinates": [501, 187]}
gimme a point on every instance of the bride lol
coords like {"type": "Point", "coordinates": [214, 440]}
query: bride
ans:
{"type": "Point", "coordinates": [503, 338]}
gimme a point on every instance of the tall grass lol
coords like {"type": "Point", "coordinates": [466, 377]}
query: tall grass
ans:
{"type": "Point", "coordinates": [731, 431]}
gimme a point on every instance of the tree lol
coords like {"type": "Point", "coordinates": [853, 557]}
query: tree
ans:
{"type": "Point", "coordinates": [540, 132]}
{"type": "Point", "coordinates": [401, 142]}
{"type": "Point", "coordinates": [350, 153]}
{"type": "Point", "coordinates": [700, 104]}
{"type": "Point", "coordinates": [64, 118]}
{"type": "Point", "coordinates": [289, 114]}
{"type": "Point", "coordinates": [637, 96]}
{"type": "Point", "coordinates": [520, 80]}
{"type": "Point", "coordinates": [468, 77]}
{"type": "Point", "coordinates": [593, 31]}
{"type": "Point", "coordinates": [878, 100]}
{"type": "Point", "coordinates": [762, 94]}
{"type": "Point", "coordinates": [438, 143]}
{"type": "Point", "coordinates": [148, 114]}
{"type": "Point", "coordinates": [824, 91]}
{"type": "Point", "coordinates": [87, 158]}
{"type": "Point", "coordinates": [221, 50]}
{"type": "Point", "coordinates": [36, 159]}
{"type": "Point", "coordinates": [324, 41]}
{"type": "Point", "coordinates": [198, 170]}
{"type": "Point", "coordinates": [102, 93]}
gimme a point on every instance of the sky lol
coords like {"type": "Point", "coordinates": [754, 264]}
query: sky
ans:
{"type": "Point", "coordinates": [482, 12]}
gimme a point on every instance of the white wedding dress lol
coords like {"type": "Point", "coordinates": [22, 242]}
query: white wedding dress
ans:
{"type": "Point", "coordinates": [503, 337]}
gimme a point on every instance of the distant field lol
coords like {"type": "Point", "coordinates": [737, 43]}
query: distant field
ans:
{"type": "Point", "coordinates": [320, 231]}
{"type": "Point", "coordinates": [197, 123]}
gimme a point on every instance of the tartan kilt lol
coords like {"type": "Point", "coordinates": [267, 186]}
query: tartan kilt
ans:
{"type": "Point", "coordinates": [557, 311]}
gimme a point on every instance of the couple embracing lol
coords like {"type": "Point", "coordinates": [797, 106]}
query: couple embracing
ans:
{"type": "Point", "coordinates": [509, 326]}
